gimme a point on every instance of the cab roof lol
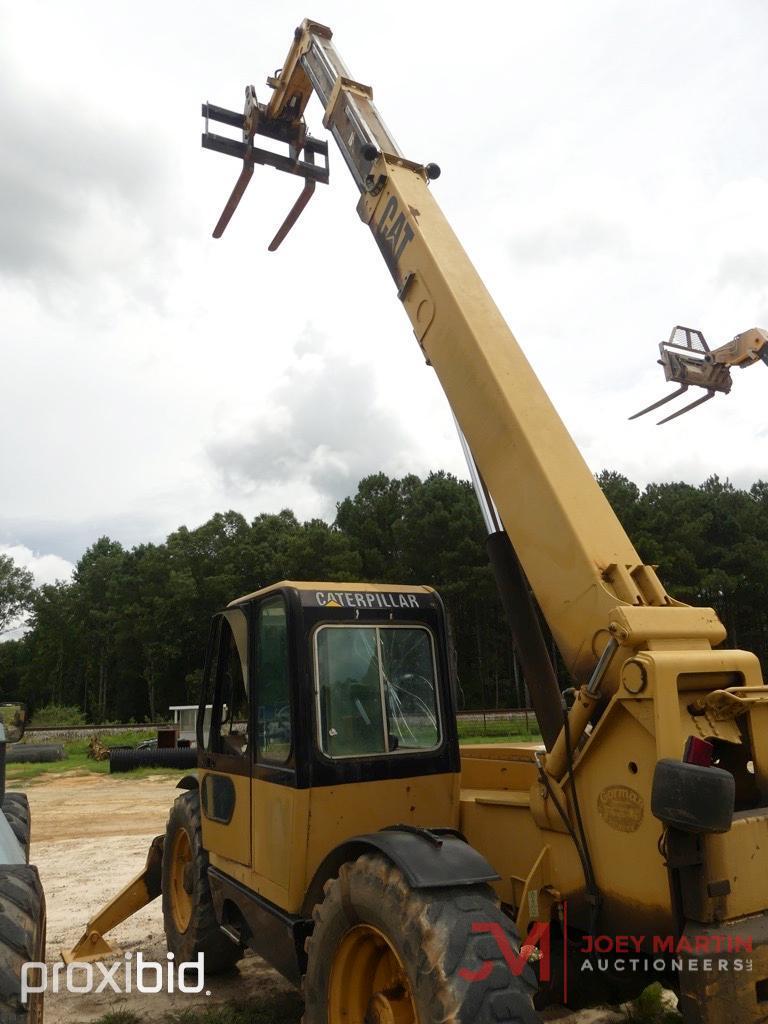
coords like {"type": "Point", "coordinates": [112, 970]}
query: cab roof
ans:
{"type": "Point", "coordinates": [379, 588]}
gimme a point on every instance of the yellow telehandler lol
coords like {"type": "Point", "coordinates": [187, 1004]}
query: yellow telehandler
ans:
{"type": "Point", "coordinates": [334, 826]}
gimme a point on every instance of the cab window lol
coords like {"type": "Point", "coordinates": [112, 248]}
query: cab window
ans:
{"type": "Point", "coordinates": [225, 729]}
{"type": "Point", "coordinates": [231, 690]}
{"type": "Point", "coordinates": [272, 682]}
{"type": "Point", "coordinates": [376, 690]}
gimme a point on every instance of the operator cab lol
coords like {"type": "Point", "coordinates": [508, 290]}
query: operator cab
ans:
{"type": "Point", "coordinates": [314, 684]}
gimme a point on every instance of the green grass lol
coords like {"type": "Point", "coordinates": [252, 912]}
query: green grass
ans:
{"type": "Point", "coordinates": [651, 1008]}
{"type": "Point", "coordinates": [77, 759]}
{"type": "Point", "coordinates": [273, 1008]}
{"type": "Point", "coordinates": [499, 732]}
{"type": "Point", "coordinates": [120, 1017]}
{"type": "Point", "coordinates": [520, 737]}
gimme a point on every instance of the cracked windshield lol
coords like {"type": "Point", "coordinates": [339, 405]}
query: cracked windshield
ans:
{"type": "Point", "coordinates": [377, 690]}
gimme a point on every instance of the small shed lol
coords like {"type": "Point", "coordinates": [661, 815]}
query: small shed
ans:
{"type": "Point", "coordinates": [185, 720]}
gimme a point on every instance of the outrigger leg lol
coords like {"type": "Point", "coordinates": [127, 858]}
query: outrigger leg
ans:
{"type": "Point", "coordinates": [144, 888]}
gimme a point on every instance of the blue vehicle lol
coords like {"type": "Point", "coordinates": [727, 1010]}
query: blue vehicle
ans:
{"type": "Point", "coordinates": [22, 902]}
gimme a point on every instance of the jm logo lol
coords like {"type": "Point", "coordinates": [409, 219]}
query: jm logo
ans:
{"type": "Point", "coordinates": [516, 961]}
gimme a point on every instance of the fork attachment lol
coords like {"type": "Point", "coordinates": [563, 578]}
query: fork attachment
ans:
{"type": "Point", "coordinates": [688, 361]}
{"type": "Point", "coordinates": [300, 160]}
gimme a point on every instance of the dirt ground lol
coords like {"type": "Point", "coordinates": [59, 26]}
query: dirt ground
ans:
{"type": "Point", "coordinates": [90, 835]}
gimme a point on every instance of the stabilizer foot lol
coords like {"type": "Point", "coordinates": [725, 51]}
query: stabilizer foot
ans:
{"type": "Point", "coordinates": [145, 887]}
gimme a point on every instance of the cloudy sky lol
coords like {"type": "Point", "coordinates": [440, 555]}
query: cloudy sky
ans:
{"type": "Point", "coordinates": [603, 162]}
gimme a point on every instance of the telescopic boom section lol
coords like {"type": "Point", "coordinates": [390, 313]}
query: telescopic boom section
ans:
{"type": "Point", "coordinates": [585, 573]}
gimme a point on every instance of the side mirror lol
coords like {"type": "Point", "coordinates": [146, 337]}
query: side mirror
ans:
{"type": "Point", "coordinates": [693, 798]}
{"type": "Point", "coordinates": [13, 721]}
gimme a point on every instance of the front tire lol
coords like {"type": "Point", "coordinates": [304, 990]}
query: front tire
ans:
{"type": "Point", "coordinates": [22, 940]}
{"type": "Point", "coordinates": [189, 917]}
{"type": "Point", "coordinates": [384, 952]}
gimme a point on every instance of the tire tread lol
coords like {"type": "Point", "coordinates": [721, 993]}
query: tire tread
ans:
{"type": "Point", "coordinates": [435, 940]}
{"type": "Point", "coordinates": [15, 807]}
{"type": "Point", "coordinates": [203, 934]}
{"type": "Point", "coordinates": [22, 939]}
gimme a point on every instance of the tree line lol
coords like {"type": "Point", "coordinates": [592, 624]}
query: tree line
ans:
{"type": "Point", "coordinates": [125, 637]}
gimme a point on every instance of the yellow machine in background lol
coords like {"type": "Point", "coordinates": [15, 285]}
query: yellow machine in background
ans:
{"type": "Point", "coordinates": [339, 834]}
{"type": "Point", "coordinates": [690, 362]}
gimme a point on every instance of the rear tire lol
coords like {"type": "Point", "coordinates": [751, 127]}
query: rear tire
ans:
{"type": "Point", "coordinates": [190, 921]}
{"type": "Point", "coordinates": [383, 951]}
{"type": "Point", "coordinates": [14, 797]}
{"type": "Point", "coordinates": [22, 939]}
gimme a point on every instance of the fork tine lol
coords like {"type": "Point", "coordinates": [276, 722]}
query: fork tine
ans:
{"type": "Point", "coordinates": [304, 196]}
{"type": "Point", "coordinates": [687, 408]}
{"type": "Point", "coordinates": [661, 401]}
{"type": "Point", "coordinates": [237, 194]}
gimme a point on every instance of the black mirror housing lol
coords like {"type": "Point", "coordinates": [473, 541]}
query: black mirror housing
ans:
{"type": "Point", "coordinates": [693, 798]}
{"type": "Point", "coordinates": [13, 716]}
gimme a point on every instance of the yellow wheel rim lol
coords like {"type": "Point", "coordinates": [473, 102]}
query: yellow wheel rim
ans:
{"type": "Point", "coordinates": [369, 984]}
{"type": "Point", "coordinates": [181, 880]}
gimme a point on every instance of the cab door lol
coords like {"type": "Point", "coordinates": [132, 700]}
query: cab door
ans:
{"type": "Point", "coordinates": [225, 741]}
{"type": "Point", "coordinates": [279, 809]}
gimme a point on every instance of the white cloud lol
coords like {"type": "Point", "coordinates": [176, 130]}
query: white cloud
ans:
{"type": "Point", "coordinates": [324, 425]}
{"type": "Point", "coordinates": [45, 568]}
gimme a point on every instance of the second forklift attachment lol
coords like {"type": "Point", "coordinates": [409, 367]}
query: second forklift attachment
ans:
{"type": "Point", "coordinates": [687, 361]}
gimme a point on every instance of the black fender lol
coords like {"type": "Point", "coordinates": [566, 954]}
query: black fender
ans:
{"type": "Point", "coordinates": [429, 859]}
{"type": "Point", "coordinates": [188, 782]}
